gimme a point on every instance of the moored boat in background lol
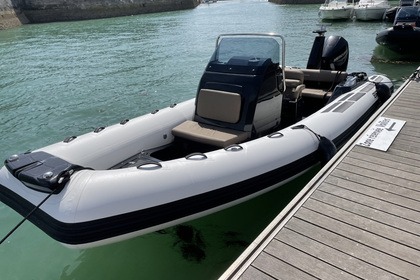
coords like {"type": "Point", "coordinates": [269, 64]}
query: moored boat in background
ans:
{"type": "Point", "coordinates": [404, 36]}
{"type": "Point", "coordinates": [336, 10]}
{"type": "Point", "coordinates": [392, 12]}
{"type": "Point", "coordinates": [371, 9]}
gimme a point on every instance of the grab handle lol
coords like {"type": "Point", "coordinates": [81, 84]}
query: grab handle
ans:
{"type": "Point", "coordinates": [196, 156]}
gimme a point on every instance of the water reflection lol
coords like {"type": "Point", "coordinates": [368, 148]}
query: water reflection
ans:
{"type": "Point", "coordinates": [397, 67]}
{"type": "Point", "coordinates": [384, 54]}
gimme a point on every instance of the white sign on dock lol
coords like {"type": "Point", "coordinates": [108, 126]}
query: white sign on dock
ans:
{"type": "Point", "coordinates": [381, 134]}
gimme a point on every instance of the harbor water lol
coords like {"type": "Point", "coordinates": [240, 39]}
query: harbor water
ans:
{"type": "Point", "coordinates": [64, 79]}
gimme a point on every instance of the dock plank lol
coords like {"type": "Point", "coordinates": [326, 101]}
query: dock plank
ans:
{"type": "Point", "coordinates": [392, 155]}
{"type": "Point", "coordinates": [354, 172]}
{"type": "Point", "coordinates": [405, 109]}
{"type": "Point", "coordinates": [392, 162]}
{"type": "Point", "coordinates": [252, 273]}
{"type": "Point", "coordinates": [376, 188]}
{"type": "Point", "coordinates": [366, 224]}
{"type": "Point", "coordinates": [361, 236]}
{"type": "Point", "coordinates": [277, 268]}
{"type": "Point", "coordinates": [410, 137]}
{"type": "Point", "coordinates": [402, 116]}
{"type": "Point", "coordinates": [395, 172]}
{"type": "Point", "coordinates": [406, 146]}
{"type": "Point", "coordinates": [385, 262]}
{"type": "Point", "coordinates": [361, 208]}
{"type": "Point", "coordinates": [376, 203]}
{"type": "Point", "coordinates": [305, 262]}
{"type": "Point", "coordinates": [337, 258]}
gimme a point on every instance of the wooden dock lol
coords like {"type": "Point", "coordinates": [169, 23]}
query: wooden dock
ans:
{"type": "Point", "coordinates": [358, 218]}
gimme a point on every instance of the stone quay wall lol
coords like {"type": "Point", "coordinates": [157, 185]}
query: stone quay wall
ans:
{"type": "Point", "coordinates": [297, 1]}
{"type": "Point", "coordinates": [17, 12]}
{"type": "Point", "coordinates": [10, 14]}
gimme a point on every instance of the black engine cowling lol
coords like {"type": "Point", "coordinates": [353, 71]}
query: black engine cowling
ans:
{"type": "Point", "coordinates": [329, 53]}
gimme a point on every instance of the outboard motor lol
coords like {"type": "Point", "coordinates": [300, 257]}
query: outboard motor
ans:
{"type": "Point", "coordinates": [329, 53]}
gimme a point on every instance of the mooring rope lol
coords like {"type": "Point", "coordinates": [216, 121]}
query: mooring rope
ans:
{"type": "Point", "coordinates": [26, 217]}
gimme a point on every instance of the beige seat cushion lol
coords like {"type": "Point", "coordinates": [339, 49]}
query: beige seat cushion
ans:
{"type": "Point", "coordinates": [293, 74]}
{"type": "Point", "coordinates": [291, 83]}
{"type": "Point", "coordinates": [219, 105]}
{"type": "Point", "coordinates": [294, 83]}
{"type": "Point", "coordinates": [320, 75]}
{"type": "Point", "coordinates": [314, 93]}
{"type": "Point", "coordinates": [207, 134]}
{"type": "Point", "coordinates": [330, 77]}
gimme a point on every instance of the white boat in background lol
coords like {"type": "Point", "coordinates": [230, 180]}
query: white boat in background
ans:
{"type": "Point", "coordinates": [371, 9]}
{"type": "Point", "coordinates": [336, 10]}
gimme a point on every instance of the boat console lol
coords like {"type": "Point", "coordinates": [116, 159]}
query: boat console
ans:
{"type": "Point", "coordinates": [254, 79]}
{"type": "Point", "coordinates": [239, 95]}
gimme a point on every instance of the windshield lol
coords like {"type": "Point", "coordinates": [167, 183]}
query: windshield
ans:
{"type": "Point", "coordinates": [408, 14]}
{"type": "Point", "coordinates": [257, 48]}
{"type": "Point", "coordinates": [407, 2]}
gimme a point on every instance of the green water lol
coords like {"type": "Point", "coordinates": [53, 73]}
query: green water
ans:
{"type": "Point", "coordinates": [63, 79]}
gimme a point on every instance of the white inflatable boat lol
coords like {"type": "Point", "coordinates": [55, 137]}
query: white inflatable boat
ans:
{"type": "Point", "coordinates": [254, 125]}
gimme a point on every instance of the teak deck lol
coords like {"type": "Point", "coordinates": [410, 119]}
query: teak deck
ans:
{"type": "Point", "coordinates": [359, 218]}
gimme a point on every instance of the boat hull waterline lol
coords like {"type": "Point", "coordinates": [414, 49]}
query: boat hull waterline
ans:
{"type": "Point", "coordinates": [332, 14]}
